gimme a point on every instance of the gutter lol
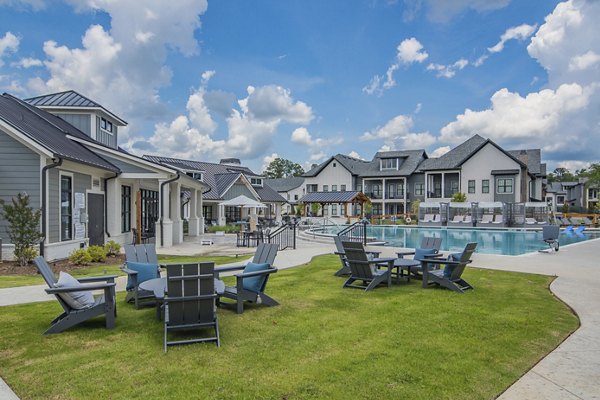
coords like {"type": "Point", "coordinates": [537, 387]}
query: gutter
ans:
{"type": "Point", "coordinates": [44, 206]}
{"type": "Point", "coordinates": [162, 206]}
{"type": "Point", "coordinates": [106, 202]}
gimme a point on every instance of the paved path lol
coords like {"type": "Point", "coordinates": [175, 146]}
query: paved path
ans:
{"type": "Point", "coordinates": [570, 372]}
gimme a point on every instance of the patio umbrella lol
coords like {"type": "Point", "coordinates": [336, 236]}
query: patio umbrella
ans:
{"type": "Point", "coordinates": [242, 201]}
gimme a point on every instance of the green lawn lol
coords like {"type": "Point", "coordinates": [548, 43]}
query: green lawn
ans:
{"type": "Point", "coordinates": [25, 280]}
{"type": "Point", "coordinates": [322, 342]}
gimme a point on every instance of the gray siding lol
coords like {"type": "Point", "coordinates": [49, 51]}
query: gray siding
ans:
{"type": "Point", "coordinates": [104, 137]}
{"type": "Point", "coordinates": [19, 172]}
{"type": "Point", "coordinates": [126, 167]}
{"type": "Point", "coordinates": [79, 121]}
{"type": "Point", "coordinates": [237, 190]}
{"type": "Point", "coordinates": [81, 183]}
{"type": "Point", "coordinates": [507, 198]}
{"type": "Point", "coordinates": [412, 181]}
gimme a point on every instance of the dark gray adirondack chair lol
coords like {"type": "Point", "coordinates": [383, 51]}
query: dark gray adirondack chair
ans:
{"type": "Point", "coordinates": [70, 317]}
{"type": "Point", "coordinates": [345, 269]}
{"type": "Point", "coordinates": [451, 276]}
{"type": "Point", "coordinates": [142, 253]}
{"type": "Point", "coordinates": [265, 254]}
{"type": "Point", "coordinates": [364, 269]}
{"type": "Point", "coordinates": [428, 242]}
{"type": "Point", "coordinates": [550, 235]}
{"type": "Point", "coordinates": [190, 303]}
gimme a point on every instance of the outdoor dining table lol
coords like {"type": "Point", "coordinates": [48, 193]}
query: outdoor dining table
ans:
{"type": "Point", "coordinates": [159, 287]}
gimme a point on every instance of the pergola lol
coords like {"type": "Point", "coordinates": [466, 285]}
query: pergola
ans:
{"type": "Point", "coordinates": [345, 198]}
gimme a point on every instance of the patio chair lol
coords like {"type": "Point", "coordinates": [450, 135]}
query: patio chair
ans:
{"type": "Point", "coordinates": [430, 248]}
{"type": "Point", "coordinates": [498, 219]}
{"type": "Point", "coordinates": [451, 276]}
{"type": "Point", "coordinates": [364, 269]}
{"type": "Point", "coordinates": [251, 283]}
{"type": "Point", "coordinates": [345, 269]}
{"type": "Point", "coordinates": [550, 237]}
{"type": "Point", "coordinates": [141, 264]}
{"type": "Point", "coordinates": [190, 303]}
{"type": "Point", "coordinates": [457, 219]}
{"type": "Point", "coordinates": [486, 219]}
{"type": "Point", "coordinates": [468, 220]}
{"type": "Point", "coordinates": [77, 300]}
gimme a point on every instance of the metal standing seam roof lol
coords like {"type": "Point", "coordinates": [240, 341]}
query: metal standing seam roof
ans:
{"type": "Point", "coordinates": [50, 132]}
{"type": "Point", "coordinates": [218, 177]}
{"type": "Point", "coordinates": [330, 197]}
{"type": "Point", "coordinates": [69, 98]}
{"type": "Point", "coordinates": [285, 184]}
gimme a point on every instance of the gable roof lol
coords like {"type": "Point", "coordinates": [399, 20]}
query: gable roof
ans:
{"type": "Point", "coordinates": [219, 177]}
{"type": "Point", "coordinates": [50, 132]}
{"type": "Point", "coordinates": [353, 165]}
{"type": "Point", "coordinates": [410, 161]}
{"type": "Point", "coordinates": [333, 197]}
{"type": "Point", "coordinates": [70, 99]}
{"type": "Point", "coordinates": [285, 184]}
{"type": "Point", "coordinates": [534, 157]}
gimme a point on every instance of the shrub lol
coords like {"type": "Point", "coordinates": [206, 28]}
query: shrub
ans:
{"type": "Point", "coordinates": [459, 197]}
{"type": "Point", "coordinates": [226, 228]}
{"type": "Point", "coordinates": [23, 227]}
{"type": "Point", "coordinates": [80, 257]}
{"type": "Point", "coordinates": [97, 253]}
{"type": "Point", "coordinates": [112, 248]}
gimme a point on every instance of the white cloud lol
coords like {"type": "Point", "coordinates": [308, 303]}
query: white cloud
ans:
{"type": "Point", "coordinates": [268, 160]}
{"type": "Point", "coordinates": [27, 62]}
{"type": "Point", "coordinates": [448, 71]}
{"type": "Point", "coordinates": [316, 146]}
{"type": "Point", "coordinates": [273, 102]}
{"type": "Point", "coordinates": [440, 151]}
{"type": "Point", "coordinates": [35, 5]}
{"type": "Point", "coordinates": [396, 134]}
{"type": "Point", "coordinates": [520, 32]}
{"type": "Point", "coordinates": [9, 43]}
{"type": "Point", "coordinates": [584, 61]}
{"type": "Point", "coordinates": [444, 11]}
{"type": "Point", "coordinates": [354, 154]}
{"type": "Point", "coordinates": [573, 165]}
{"type": "Point", "coordinates": [409, 51]}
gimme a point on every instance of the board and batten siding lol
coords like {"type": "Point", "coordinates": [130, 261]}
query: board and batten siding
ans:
{"type": "Point", "coordinates": [81, 183]}
{"type": "Point", "coordinates": [105, 137]}
{"type": "Point", "coordinates": [79, 121]}
{"type": "Point", "coordinates": [238, 190]}
{"type": "Point", "coordinates": [125, 166]}
{"type": "Point", "coordinates": [19, 172]}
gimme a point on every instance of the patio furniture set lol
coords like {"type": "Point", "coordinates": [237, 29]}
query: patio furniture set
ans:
{"type": "Point", "coordinates": [368, 268]}
{"type": "Point", "coordinates": [187, 296]}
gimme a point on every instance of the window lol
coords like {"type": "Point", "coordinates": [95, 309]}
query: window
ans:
{"type": "Point", "coordinates": [66, 207]}
{"type": "Point", "coordinates": [358, 187]}
{"type": "Point", "coordinates": [376, 190]}
{"type": "Point", "coordinates": [471, 188]}
{"type": "Point", "coordinates": [295, 197]}
{"type": "Point", "coordinates": [334, 209]}
{"type": "Point", "coordinates": [233, 214]}
{"type": "Point", "coordinates": [454, 187]}
{"type": "Point", "coordinates": [256, 181]}
{"type": "Point", "coordinates": [343, 189]}
{"type": "Point", "coordinates": [389, 163]}
{"type": "Point", "coordinates": [485, 186]}
{"type": "Point", "coordinates": [125, 208]}
{"type": "Point", "coordinates": [325, 188]}
{"type": "Point", "coordinates": [505, 186]}
{"type": "Point", "coordinates": [312, 188]}
{"type": "Point", "coordinates": [419, 189]}
{"type": "Point", "coordinates": [207, 213]}
{"type": "Point", "coordinates": [560, 199]}
{"type": "Point", "coordinates": [106, 125]}
{"type": "Point", "coordinates": [199, 176]}
{"type": "Point", "coordinates": [334, 188]}
{"type": "Point", "coordinates": [334, 165]}
{"type": "Point", "coordinates": [376, 209]}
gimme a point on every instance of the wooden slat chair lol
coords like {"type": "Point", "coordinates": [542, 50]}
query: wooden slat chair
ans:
{"type": "Point", "coordinates": [71, 316]}
{"type": "Point", "coordinates": [364, 269]}
{"type": "Point", "coordinates": [190, 303]}
{"type": "Point", "coordinates": [451, 276]}
{"type": "Point", "coordinates": [427, 243]}
{"type": "Point", "coordinates": [140, 253]}
{"type": "Point", "coordinates": [345, 269]}
{"type": "Point", "coordinates": [245, 289]}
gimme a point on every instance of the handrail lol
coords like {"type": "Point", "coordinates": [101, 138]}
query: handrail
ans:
{"type": "Point", "coordinates": [357, 232]}
{"type": "Point", "coordinates": [284, 236]}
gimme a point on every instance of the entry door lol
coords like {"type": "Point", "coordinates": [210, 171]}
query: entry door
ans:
{"type": "Point", "coordinates": [96, 219]}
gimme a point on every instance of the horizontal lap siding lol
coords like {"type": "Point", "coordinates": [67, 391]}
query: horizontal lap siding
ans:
{"type": "Point", "coordinates": [19, 172]}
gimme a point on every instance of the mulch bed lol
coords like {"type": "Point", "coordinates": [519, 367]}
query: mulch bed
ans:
{"type": "Point", "coordinates": [12, 268]}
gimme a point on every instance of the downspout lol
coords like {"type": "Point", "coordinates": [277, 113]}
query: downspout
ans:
{"type": "Point", "coordinates": [106, 202]}
{"type": "Point", "coordinates": [44, 219]}
{"type": "Point", "coordinates": [162, 206]}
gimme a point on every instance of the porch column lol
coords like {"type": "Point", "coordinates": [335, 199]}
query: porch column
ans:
{"type": "Point", "coordinates": [200, 212]}
{"type": "Point", "coordinates": [221, 215]}
{"type": "Point", "coordinates": [443, 184]}
{"type": "Point", "coordinates": [278, 211]}
{"type": "Point", "coordinates": [113, 212]}
{"type": "Point", "coordinates": [193, 221]}
{"type": "Point", "coordinates": [405, 196]}
{"type": "Point", "coordinates": [175, 205]}
{"type": "Point", "coordinates": [167, 224]}
{"type": "Point", "coordinates": [383, 183]}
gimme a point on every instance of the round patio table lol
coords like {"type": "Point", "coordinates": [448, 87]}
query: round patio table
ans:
{"type": "Point", "coordinates": [401, 264]}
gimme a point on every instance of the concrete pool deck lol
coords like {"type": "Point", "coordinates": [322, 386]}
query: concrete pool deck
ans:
{"type": "Point", "coordinates": [571, 371]}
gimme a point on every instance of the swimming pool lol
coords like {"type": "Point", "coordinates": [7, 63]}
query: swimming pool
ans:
{"type": "Point", "coordinates": [503, 242]}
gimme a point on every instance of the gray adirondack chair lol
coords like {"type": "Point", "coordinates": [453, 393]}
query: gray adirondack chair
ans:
{"type": "Point", "coordinates": [142, 253]}
{"type": "Point", "coordinates": [428, 242]}
{"type": "Point", "coordinates": [550, 235]}
{"type": "Point", "coordinates": [345, 269]}
{"type": "Point", "coordinates": [190, 303]}
{"type": "Point", "coordinates": [70, 317]}
{"type": "Point", "coordinates": [451, 276]}
{"type": "Point", "coordinates": [241, 293]}
{"type": "Point", "coordinates": [364, 269]}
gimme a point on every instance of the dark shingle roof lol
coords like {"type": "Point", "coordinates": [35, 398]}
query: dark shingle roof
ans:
{"type": "Point", "coordinates": [50, 132]}
{"type": "Point", "coordinates": [455, 157]}
{"type": "Point", "coordinates": [218, 177]}
{"type": "Point", "coordinates": [354, 165]}
{"type": "Point", "coordinates": [329, 197]}
{"type": "Point", "coordinates": [534, 160]}
{"type": "Point", "coordinates": [69, 99]}
{"type": "Point", "coordinates": [285, 184]}
{"type": "Point", "coordinates": [409, 159]}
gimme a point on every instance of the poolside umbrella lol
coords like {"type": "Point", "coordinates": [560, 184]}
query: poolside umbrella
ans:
{"type": "Point", "coordinates": [242, 201]}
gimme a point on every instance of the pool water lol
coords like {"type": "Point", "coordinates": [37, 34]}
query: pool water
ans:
{"type": "Point", "coordinates": [503, 242]}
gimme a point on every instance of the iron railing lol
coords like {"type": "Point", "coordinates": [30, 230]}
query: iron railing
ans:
{"type": "Point", "coordinates": [284, 236]}
{"type": "Point", "coordinates": [357, 232]}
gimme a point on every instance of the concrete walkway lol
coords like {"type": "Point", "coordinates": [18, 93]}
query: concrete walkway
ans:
{"type": "Point", "coordinates": [572, 371]}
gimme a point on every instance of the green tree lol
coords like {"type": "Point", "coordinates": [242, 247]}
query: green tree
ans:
{"type": "Point", "coordinates": [282, 168]}
{"type": "Point", "coordinates": [315, 208]}
{"type": "Point", "coordinates": [459, 197]}
{"type": "Point", "coordinates": [561, 174]}
{"type": "Point", "coordinates": [23, 228]}
{"type": "Point", "coordinates": [414, 206]}
{"type": "Point", "coordinates": [592, 173]}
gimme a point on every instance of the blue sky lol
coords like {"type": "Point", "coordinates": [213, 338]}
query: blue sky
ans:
{"type": "Point", "coordinates": [305, 80]}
